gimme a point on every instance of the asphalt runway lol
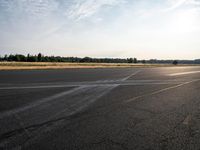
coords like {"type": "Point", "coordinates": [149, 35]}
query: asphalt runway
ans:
{"type": "Point", "coordinates": [101, 109]}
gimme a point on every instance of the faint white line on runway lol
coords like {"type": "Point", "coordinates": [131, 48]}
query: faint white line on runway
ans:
{"type": "Point", "coordinates": [45, 100]}
{"type": "Point", "coordinates": [133, 74]}
{"type": "Point", "coordinates": [184, 73]}
{"type": "Point", "coordinates": [160, 91]}
{"type": "Point", "coordinates": [35, 87]}
{"type": "Point", "coordinates": [93, 84]}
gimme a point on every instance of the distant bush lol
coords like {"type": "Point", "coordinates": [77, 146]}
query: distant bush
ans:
{"type": "Point", "coordinates": [175, 62]}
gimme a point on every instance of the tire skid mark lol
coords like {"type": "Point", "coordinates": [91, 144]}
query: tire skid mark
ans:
{"type": "Point", "coordinates": [61, 106]}
{"type": "Point", "coordinates": [37, 103]}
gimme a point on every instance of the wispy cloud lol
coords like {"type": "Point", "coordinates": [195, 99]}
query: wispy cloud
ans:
{"type": "Point", "coordinates": [85, 8]}
{"type": "Point", "coordinates": [28, 8]}
{"type": "Point", "coordinates": [178, 3]}
{"type": "Point", "coordinates": [175, 3]}
{"type": "Point", "coordinates": [82, 9]}
{"type": "Point", "coordinates": [75, 9]}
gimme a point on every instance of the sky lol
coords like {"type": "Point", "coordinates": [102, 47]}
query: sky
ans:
{"type": "Point", "coordinates": [146, 29]}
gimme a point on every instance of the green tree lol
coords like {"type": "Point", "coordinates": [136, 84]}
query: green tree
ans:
{"type": "Point", "coordinates": [86, 59]}
{"type": "Point", "coordinates": [5, 58]}
{"type": "Point", "coordinates": [130, 60]}
{"type": "Point", "coordinates": [17, 58]}
{"type": "Point", "coordinates": [144, 61]}
{"type": "Point", "coordinates": [39, 57]}
{"type": "Point", "coordinates": [135, 60]}
{"type": "Point", "coordinates": [28, 58]}
{"type": "Point", "coordinates": [11, 57]}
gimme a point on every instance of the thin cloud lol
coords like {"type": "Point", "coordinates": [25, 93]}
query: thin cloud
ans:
{"type": "Point", "coordinates": [178, 3]}
{"type": "Point", "coordinates": [194, 2]}
{"type": "Point", "coordinates": [29, 8]}
{"type": "Point", "coordinates": [85, 8]}
{"type": "Point", "coordinates": [76, 9]}
{"type": "Point", "coordinates": [175, 4]}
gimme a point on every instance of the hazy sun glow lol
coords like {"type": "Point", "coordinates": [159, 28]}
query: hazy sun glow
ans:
{"type": "Point", "coordinates": [186, 21]}
{"type": "Point", "coordinates": [101, 28]}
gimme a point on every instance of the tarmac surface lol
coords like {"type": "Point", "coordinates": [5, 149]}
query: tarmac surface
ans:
{"type": "Point", "coordinates": [101, 109]}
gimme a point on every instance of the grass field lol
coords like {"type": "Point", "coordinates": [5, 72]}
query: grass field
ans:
{"type": "Point", "coordinates": [49, 65]}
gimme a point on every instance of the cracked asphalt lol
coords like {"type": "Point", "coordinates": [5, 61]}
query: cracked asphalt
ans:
{"type": "Point", "coordinates": [101, 109]}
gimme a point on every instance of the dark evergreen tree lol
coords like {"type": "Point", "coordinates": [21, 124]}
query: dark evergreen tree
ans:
{"type": "Point", "coordinates": [135, 60]}
{"type": "Point", "coordinates": [39, 57]}
{"type": "Point", "coordinates": [175, 62]}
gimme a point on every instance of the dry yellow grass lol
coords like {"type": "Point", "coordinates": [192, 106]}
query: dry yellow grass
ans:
{"type": "Point", "coordinates": [49, 65]}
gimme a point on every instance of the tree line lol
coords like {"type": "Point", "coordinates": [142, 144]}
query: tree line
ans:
{"type": "Point", "coordinates": [43, 58]}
